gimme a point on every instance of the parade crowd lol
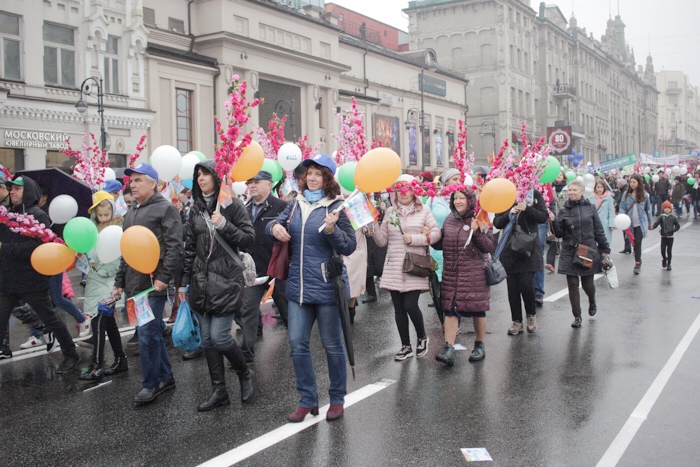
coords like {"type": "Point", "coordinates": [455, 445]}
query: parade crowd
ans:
{"type": "Point", "coordinates": [564, 227]}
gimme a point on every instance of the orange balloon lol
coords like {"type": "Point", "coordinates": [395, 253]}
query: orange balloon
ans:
{"type": "Point", "coordinates": [498, 195]}
{"type": "Point", "coordinates": [249, 164]}
{"type": "Point", "coordinates": [140, 249]}
{"type": "Point", "coordinates": [50, 259]}
{"type": "Point", "coordinates": [377, 170]}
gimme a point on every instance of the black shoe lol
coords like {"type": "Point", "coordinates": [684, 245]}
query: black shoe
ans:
{"type": "Point", "coordinates": [577, 322]}
{"type": "Point", "coordinates": [370, 299]}
{"type": "Point", "coordinates": [120, 365]}
{"type": "Point", "coordinates": [663, 264]}
{"type": "Point", "coordinates": [218, 397]}
{"type": "Point", "coordinates": [668, 268]}
{"type": "Point", "coordinates": [626, 251]}
{"type": "Point", "coordinates": [88, 343]}
{"type": "Point", "coordinates": [198, 352]}
{"type": "Point", "coordinates": [133, 342]}
{"type": "Point", "coordinates": [165, 386]}
{"type": "Point", "coordinates": [146, 396]}
{"type": "Point", "coordinates": [5, 352]}
{"type": "Point", "coordinates": [247, 386]}
{"type": "Point", "coordinates": [93, 373]}
{"type": "Point", "coordinates": [50, 340]}
{"type": "Point", "coordinates": [69, 364]}
{"type": "Point", "coordinates": [167, 332]}
{"type": "Point", "coordinates": [478, 353]}
{"type": "Point", "coordinates": [592, 309]}
{"type": "Point", "coordinates": [539, 300]}
{"type": "Point", "coordinates": [352, 315]}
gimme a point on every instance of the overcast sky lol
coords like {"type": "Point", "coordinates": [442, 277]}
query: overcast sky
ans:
{"type": "Point", "coordinates": [669, 28]}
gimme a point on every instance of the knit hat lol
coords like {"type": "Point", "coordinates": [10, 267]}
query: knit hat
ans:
{"type": "Point", "coordinates": [448, 174]}
{"type": "Point", "coordinates": [666, 204]}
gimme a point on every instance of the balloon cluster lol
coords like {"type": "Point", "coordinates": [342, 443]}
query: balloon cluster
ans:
{"type": "Point", "coordinates": [575, 158]}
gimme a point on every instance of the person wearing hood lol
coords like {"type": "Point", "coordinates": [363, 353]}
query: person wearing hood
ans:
{"type": "Point", "coordinates": [311, 284]}
{"type": "Point", "coordinates": [19, 281]}
{"type": "Point", "coordinates": [99, 284]}
{"type": "Point", "coordinates": [408, 226]}
{"type": "Point", "coordinates": [605, 205]}
{"type": "Point", "coordinates": [154, 212]}
{"type": "Point", "coordinates": [464, 290]}
{"type": "Point", "coordinates": [4, 191]}
{"type": "Point", "coordinates": [214, 272]}
{"type": "Point", "coordinates": [578, 224]}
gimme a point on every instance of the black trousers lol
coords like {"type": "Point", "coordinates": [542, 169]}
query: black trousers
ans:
{"type": "Point", "coordinates": [638, 237]}
{"type": "Point", "coordinates": [405, 306]}
{"type": "Point", "coordinates": [575, 296]}
{"type": "Point", "coordinates": [102, 324]}
{"type": "Point", "coordinates": [520, 285]}
{"type": "Point", "coordinates": [666, 248]}
{"type": "Point", "coordinates": [41, 304]}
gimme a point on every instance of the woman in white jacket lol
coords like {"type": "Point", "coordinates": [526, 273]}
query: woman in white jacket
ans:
{"type": "Point", "coordinates": [404, 230]}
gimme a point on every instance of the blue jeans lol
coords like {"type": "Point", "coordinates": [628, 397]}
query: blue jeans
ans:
{"type": "Point", "coordinates": [56, 294]}
{"type": "Point", "coordinates": [538, 282]}
{"type": "Point", "coordinates": [696, 207]}
{"type": "Point", "coordinates": [216, 331]}
{"type": "Point", "coordinates": [155, 367]}
{"type": "Point", "coordinates": [301, 320]}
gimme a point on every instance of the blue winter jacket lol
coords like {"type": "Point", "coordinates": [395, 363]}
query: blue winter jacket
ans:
{"type": "Point", "coordinates": [643, 209]}
{"type": "Point", "coordinates": [308, 282]}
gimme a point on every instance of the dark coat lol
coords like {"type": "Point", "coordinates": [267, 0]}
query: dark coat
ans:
{"type": "Point", "coordinates": [312, 250]}
{"type": "Point", "coordinates": [261, 250]}
{"type": "Point", "coordinates": [214, 276]}
{"type": "Point", "coordinates": [578, 223]}
{"type": "Point", "coordinates": [669, 224]}
{"type": "Point", "coordinates": [528, 220]}
{"type": "Point", "coordinates": [463, 271]}
{"type": "Point", "coordinates": [17, 276]}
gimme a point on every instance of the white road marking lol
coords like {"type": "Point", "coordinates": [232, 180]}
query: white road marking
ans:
{"type": "Point", "coordinates": [623, 439]}
{"type": "Point", "coordinates": [273, 437]}
{"type": "Point", "coordinates": [564, 292]}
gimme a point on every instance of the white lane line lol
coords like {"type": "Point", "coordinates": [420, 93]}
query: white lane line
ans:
{"type": "Point", "coordinates": [623, 439]}
{"type": "Point", "coordinates": [273, 437]}
{"type": "Point", "coordinates": [564, 292]}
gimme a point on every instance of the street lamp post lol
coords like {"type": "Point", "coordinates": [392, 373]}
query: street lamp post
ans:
{"type": "Point", "coordinates": [81, 106]}
{"type": "Point", "coordinates": [429, 61]}
{"type": "Point", "coordinates": [292, 108]}
{"type": "Point", "coordinates": [486, 131]}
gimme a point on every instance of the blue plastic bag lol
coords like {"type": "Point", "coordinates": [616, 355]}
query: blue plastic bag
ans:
{"type": "Point", "coordinates": [186, 334]}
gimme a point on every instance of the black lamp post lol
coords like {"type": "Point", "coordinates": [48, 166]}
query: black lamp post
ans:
{"type": "Point", "coordinates": [82, 107]}
{"type": "Point", "coordinates": [292, 108]}
{"type": "Point", "coordinates": [428, 61]}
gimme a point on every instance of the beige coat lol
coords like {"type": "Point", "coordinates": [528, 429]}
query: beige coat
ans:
{"type": "Point", "coordinates": [356, 265]}
{"type": "Point", "coordinates": [393, 277]}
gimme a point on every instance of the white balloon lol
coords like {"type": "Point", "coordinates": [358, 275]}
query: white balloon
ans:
{"type": "Point", "coordinates": [468, 180]}
{"type": "Point", "coordinates": [188, 162]}
{"type": "Point", "coordinates": [675, 169]}
{"type": "Point", "coordinates": [589, 180]}
{"type": "Point", "coordinates": [588, 191]}
{"type": "Point", "coordinates": [667, 171]}
{"type": "Point", "coordinates": [107, 247]}
{"type": "Point", "coordinates": [580, 179]}
{"type": "Point", "coordinates": [167, 162]}
{"type": "Point", "coordinates": [684, 170]}
{"type": "Point", "coordinates": [622, 221]}
{"type": "Point", "coordinates": [654, 178]}
{"type": "Point", "coordinates": [239, 188]}
{"type": "Point", "coordinates": [647, 169]}
{"type": "Point", "coordinates": [62, 209]}
{"type": "Point", "coordinates": [109, 174]}
{"type": "Point", "coordinates": [289, 156]}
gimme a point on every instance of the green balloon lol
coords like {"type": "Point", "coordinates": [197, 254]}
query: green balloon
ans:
{"type": "Point", "coordinates": [280, 171]}
{"type": "Point", "coordinates": [691, 181]}
{"type": "Point", "coordinates": [80, 234]}
{"type": "Point", "coordinates": [570, 176]}
{"type": "Point", "coordinates": [199, 155]}
{"type": "Point", "coordinates": [270, 167]}
{"type": "Point", "coordinates": [551, 171]}
{"type": "Point", "coordinates": [646, 177]}
{"type": "Point", "coordinates": [346, 175]}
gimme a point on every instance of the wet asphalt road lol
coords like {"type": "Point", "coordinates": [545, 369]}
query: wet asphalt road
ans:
{"type": "Point", "coordinates": [557, 397]}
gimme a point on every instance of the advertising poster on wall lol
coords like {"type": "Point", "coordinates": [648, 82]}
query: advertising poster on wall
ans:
{"type": "Point", "coordinates": [451, 147]}
{"type": "Point", "coordinates": [439, 158]}
{"type": "Point", "coordinates": [386, 131]}
{"type": "Point", "coordinates": [412, 146]}
{"type": "Point", "coordinates": [426, 147]}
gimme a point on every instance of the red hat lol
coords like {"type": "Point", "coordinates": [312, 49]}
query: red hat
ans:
{"type": "Point", "coordinates": [666, 204]}
{"type": "Point", "coordinates": [427, 176]}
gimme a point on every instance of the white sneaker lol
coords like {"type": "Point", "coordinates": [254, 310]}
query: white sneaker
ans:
{"type": "Point", "coordinates": [84, 328]}
{"type": "Point", "coordinates": [32, 342]}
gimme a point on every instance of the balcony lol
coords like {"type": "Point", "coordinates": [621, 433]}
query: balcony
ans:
{"type": "Point", "coordinates": [361, 31]}
{"type": "Point", "coordinates": [564, 91]}
{"type": "Point", "coordinates": [673, 91]}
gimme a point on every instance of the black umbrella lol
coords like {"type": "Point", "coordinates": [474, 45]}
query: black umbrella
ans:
{"type": "Point", "coordinates": [341, 295]}
{"type": "Point", "coordinates": [480, 169]}
{"type": "Point", "coordinates": [58, 182]}
{"type": "Point", "coordinates": [435, 294]}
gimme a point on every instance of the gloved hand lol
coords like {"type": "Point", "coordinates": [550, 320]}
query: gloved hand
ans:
{"type": "Point", "coordinates": [606, 263]}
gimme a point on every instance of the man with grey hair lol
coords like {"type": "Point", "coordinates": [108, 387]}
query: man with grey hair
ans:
{"type": "Point", "coordinates": [153, 211]}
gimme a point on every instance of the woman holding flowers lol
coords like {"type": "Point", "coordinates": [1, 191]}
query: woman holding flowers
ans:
{"type": "Point", "coordinates": [402, 231]}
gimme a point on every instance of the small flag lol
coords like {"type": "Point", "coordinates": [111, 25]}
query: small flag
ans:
{"type": "Point", "coordinates": [225, 198]}
{"type": "Point", "coordinates": [482, 217]}
{"type": "Point", "coordinates": [141, 307]}
{"type": "Point", "coordinates": [360, 211]}
{"type": "Point", "coordinates": [166, 191]}
{"type": "Point", "coordinates": [269, 292]}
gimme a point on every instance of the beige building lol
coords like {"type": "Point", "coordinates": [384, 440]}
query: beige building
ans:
{"type": "Point", "coordinates": [679, 113]}
{"type": "Point", "coordinates": [537, 68]}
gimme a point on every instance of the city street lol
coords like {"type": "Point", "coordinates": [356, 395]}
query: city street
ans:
{"type": "Point", "coordinates": [621, 389]}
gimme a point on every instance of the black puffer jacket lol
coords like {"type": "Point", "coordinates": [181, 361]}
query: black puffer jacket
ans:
{"type": "Point", "coordinates": [161, 217]}
{"type": "Point", "coordinates": [578, 223]}
{"type": "Point", "coordinates": [215, 278]}
{"type": "Point", "coordinates": [17, 276]}
{"type": "Point", "coordinates": [261, 250]}
{"type": "Point", "coordinates": [529, 219]}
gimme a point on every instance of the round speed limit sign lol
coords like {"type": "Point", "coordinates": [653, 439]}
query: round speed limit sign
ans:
{"type": "Point", "coordinates": [560, 140]}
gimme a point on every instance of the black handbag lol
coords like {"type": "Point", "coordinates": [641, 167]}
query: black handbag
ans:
{"type": "Point", "coordinates": [495, 272]}
{"type": "Point", "coordinates": [522, 241]}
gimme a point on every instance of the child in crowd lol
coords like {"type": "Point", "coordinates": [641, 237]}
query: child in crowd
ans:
{"type": "Point", "coordinates": [669, 225]}
{"type": "Point", "coordinates": [100, 282]}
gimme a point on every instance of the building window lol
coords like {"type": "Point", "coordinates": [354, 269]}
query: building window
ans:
{"type": "Point", "coordinates": [183, 114]}
{"type": "Point", "coordinates": [673, 100]}
{"type": "Point", "coordinates": [176, 25]}
{"type": "Point", "coordinates": [59, 55]}
{"type": "Point", "coordinates": [111, 70]}
{"type": "Point", "coordinates": [9, 47]}
{"type": "Point", "coordinates": [12, 159]}
{"type": "Point", "coordinates": [673, 84]}
{"type": "Point", "coordinates": [149, 16]}
{"type": "Point", "coordinates": [117, 160]}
